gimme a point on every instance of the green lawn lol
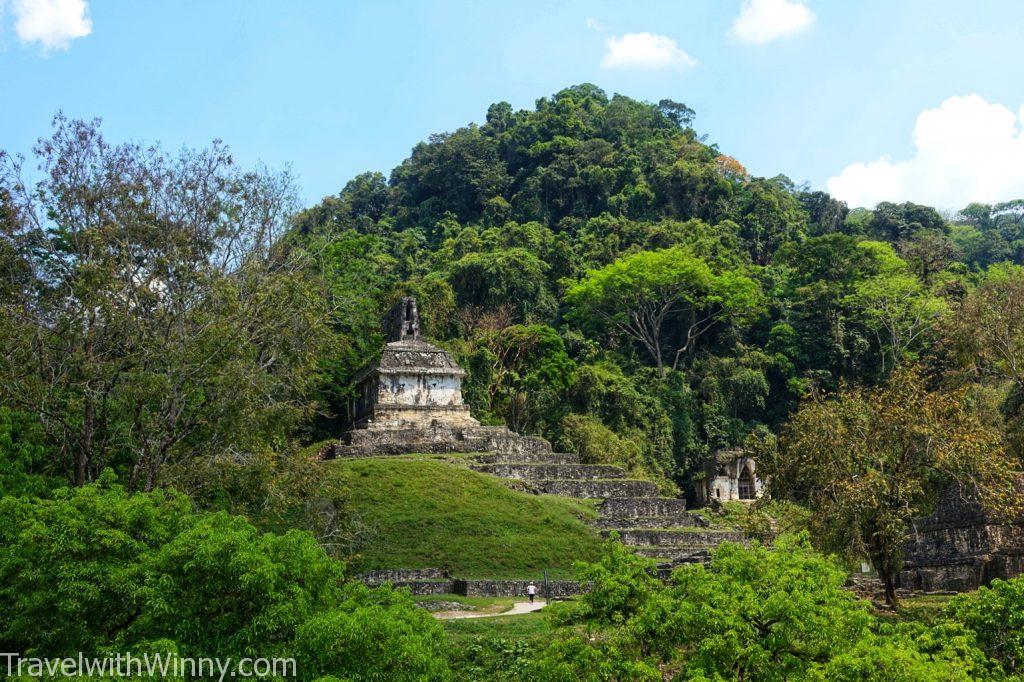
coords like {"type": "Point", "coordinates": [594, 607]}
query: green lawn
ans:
{"type": "Point", "coordinates": [423, 511]}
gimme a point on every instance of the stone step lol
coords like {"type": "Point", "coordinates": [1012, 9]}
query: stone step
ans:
{"type": "Point", "coordinates": [528, 458]}
{"type": "Point", "coordinates": [684, 520]}
{"type": "Point", "coordinates": [624, 507]}
{"type": "Point", "coordinates": [667, 555]}
{"type": "Point", "coordinates": [615, 487]}
{"type": "Point", "coordinates": [676, 538]}
{"type": "Point", "coordinates": [549, 472]}
{"type": "Point", "coordinates": [375, 441]}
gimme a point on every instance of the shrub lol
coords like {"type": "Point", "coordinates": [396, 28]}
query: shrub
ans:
{"type": "Point", "coordinates": [995, 614]}
{"type": "Point", "coordinates": [96, 569]}
{"type": "Point", "coordinates": [758, 613]}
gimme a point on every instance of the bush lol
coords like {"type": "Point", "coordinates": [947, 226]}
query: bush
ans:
{"type": "Point", "coordinates": [621, 584]}
{"type": "Point", "coordinates": [96, 569]}
{"type": "Point", "coordinates": [755, 613]}
{"type": "Point", "coordinates": [995, 614]}
{"type": "Point", "coordinates": [758, 613]}
{"type": "Point", "coordinates": [374, 635]}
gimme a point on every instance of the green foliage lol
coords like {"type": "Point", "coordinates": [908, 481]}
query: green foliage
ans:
{"type": "Point", "coordinates": [606, 402]}
{"type": "Point", "coordinates": [274, 492]}
{"type": "Point", "coordinates": [26, 467]}
{"type": "Point", "coordinates": [757, 613]}
{"type": "Point", "coordinates": [622, 584]}
{"type": "Point", "coordinates": [373, 635]}
{"type": "Point", "coordinates": [639, 295]}
{"type": "Point", "coordinates": [96, 569]}
{"type": "Point", "coordinates": [157, 315]}
{"type": "Point", "coordinates": [866, 462]}
{"type": "Point", "coordinates": [571, 658]}
{"type": "Point", "coordinates": [512, 278]}
{"type": "Point", "coordinates": [995, 616]}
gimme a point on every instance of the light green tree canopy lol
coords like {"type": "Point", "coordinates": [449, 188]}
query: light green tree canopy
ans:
{"type": "Point", "coordinates": [637, 295]}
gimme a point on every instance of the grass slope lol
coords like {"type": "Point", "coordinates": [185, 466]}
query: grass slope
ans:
{"type": "Point", "coordinates": [421, 512]}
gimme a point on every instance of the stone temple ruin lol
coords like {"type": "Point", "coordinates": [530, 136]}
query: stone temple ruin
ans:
{"type": "Point", "coordinates": [731, 475]}
{"type": "Point", "coordinates": [960, 547]}
{"type": "Point", "coordinates": [409, 400]}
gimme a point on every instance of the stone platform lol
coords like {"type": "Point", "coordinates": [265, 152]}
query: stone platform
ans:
{"type": "Point", "coordinates": [656, 527]}
{"type": "Point", "coordinates": [437, 439]}
{"type": "Point", "coordinates": [959, 547]}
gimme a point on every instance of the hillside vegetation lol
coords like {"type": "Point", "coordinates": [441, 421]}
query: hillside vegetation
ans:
{"type": "Point", "coordinates": [425, 513]}
{"type": "Point", "coordinates": [174, 330]}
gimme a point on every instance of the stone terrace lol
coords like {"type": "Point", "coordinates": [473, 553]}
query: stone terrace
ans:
{"type": "Point", "coordinates": [657, 527]}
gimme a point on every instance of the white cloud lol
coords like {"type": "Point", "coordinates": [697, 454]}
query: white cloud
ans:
{"type": "Point", "coordinates": [592, 23]}
{"type": "Point", "coordinates": [967, 149]}
{"type": "Point", "coordinates": [644, 50]}
{"type": "Point", "coordinates": [761, 21]}
{"type": "Point", "coordinates": [51, 23]}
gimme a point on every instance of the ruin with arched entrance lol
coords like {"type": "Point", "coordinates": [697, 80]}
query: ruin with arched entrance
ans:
{"type": "Point", "coordinates": [730, 476]}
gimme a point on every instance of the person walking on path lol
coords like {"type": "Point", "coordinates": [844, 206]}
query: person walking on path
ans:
{"type": "Point", "coordinates": [531, 590]}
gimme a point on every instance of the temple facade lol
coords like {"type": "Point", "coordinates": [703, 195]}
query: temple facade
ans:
{"type": "Point", "coordinates": [414, 384]}
{"type": "Point", "coordinates": [731, 475]}
{"type": "Point", "coordinates": [409, 400]}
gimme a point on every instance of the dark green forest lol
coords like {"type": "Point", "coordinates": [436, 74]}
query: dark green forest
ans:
{"type": "Point", "coordinates": [179, 335]}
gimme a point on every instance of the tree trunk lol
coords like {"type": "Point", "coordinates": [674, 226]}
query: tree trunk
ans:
{"type": "Point", "coordinates": [84, 453]}
{"type": "Point", "coordinates": [889, 582]}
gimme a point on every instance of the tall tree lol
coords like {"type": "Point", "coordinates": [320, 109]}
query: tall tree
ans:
{"type": "Point", "coordinates": [637, 294]}
{"type": "Point", "coordinates": [866, 462]}
{"type": "Point", "coordinates": [988, 329]}
{"type": "Point", "coordinates": [150, 315]}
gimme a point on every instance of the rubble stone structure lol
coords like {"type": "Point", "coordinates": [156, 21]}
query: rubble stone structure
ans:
{"type": "Point", "coordinates": [959, 547]}
{"type": "Point", "coordinates": [730, 476]}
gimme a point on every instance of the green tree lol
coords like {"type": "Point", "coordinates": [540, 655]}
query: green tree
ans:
{"type": "Point", "coordinates": [514, 278]}
{"type": "Point", "coordinates": [896, 308]}
{"type": "Point", "coordinates": [159, 317]}
{"type": "Point", "coordinates": [866, 462]}
{"type": "Point", "coordinates": [638, 294]}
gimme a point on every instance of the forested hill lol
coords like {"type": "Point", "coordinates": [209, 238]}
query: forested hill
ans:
{"type": "Point", "coordinates": [608, 279]}
{"type": "Point", "coordinates": [614, 282]}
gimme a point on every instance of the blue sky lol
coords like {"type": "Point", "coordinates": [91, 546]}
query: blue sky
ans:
{"type": "Point", "coordinates": [816, 90]}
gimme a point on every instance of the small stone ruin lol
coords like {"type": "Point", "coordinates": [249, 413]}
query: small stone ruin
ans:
{"type": "Point", "coordinates": [409, 400]}
{"type": "Point", "coordinates": [961, 547]}
{"type": "Point", "coordinates": [731, 475]}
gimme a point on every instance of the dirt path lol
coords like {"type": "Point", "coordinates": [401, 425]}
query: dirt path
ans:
{"type": "Point", "coordinates": [519, 608]}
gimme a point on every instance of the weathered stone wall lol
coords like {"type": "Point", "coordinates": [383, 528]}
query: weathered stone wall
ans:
{"type": "Point", "coordinates": [435, 438]}
{"type": "Point", "coordinates": [429, 581]}
{"type": "Point", "coordinates": [419, 389]}
{"type": "Point", "coordinates": [627, 507]}
{"type": "Point", "coordinates": [397, 575]}
{"type": "Point", "coordinates": [597, 489]}
{"type": "Point", "coordinates": [516, 588]}
{"type": "Point", "coordinates": [959, 548]}
{"type": "Point", "coordinates": [683, 539]}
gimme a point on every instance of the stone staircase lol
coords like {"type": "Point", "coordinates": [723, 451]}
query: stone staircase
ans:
{"type": "Point", "coordinates": [657, 527]}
